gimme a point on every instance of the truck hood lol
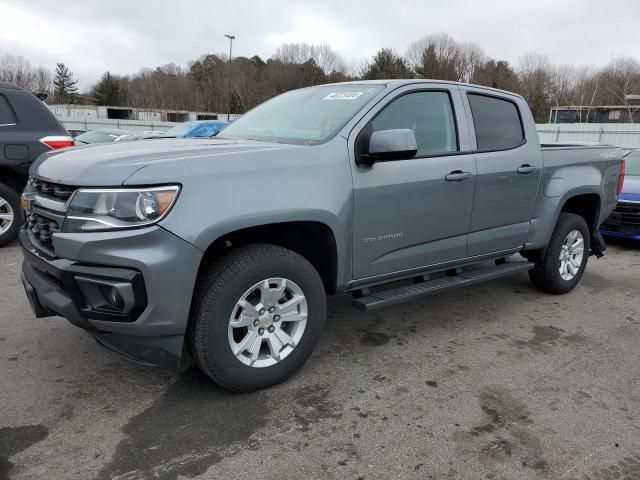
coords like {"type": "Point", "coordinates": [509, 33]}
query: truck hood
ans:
{"type": "Point", "coordinates": [111, 164]}
{"type": "Point", "coordinates": [630, 188]}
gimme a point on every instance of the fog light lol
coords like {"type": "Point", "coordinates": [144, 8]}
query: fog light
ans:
{"type": "Point", "coordinates": [107, 296]}
{"type": "Point", "coordinates": [115, 299]}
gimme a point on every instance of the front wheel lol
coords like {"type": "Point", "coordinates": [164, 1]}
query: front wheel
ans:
{"type": "Point", "coordinates": [9, 214]}
{"type": "Point", "coordinates": [560, 267]}
{"type": "Point", "coordinates": [258, 314]}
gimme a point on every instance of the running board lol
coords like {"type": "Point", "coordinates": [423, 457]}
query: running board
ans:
{"type": "Point", "coordinates": [452, 279]}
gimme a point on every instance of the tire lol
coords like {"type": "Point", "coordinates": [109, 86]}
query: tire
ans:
{"type": "Point", "coordinates": [218, 295]}
{"type": "Point", "coordinates": [9, 205]}
{"type": "Point", "coordinates": [546, 275]}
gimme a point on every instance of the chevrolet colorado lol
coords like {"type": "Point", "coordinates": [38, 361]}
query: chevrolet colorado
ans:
{"type": "Point", "coordinates": [221, 250]}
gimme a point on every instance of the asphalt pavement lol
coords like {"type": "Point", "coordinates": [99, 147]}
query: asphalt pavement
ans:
{"type": "Point", "coordinates": [497, 381]}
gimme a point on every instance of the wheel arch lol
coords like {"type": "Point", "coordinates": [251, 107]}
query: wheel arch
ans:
{"type": "Point", "coordinates": [586, 205]}
{"type": "Point", "coordinates": [12, 179]}
{"type": "Point", "coordinates": [313, 240]}
{"type": "Point", "coordinates": [586, 202]}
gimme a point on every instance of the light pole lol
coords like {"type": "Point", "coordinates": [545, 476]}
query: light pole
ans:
{"type": "Point", "coordinates": [231, 39]}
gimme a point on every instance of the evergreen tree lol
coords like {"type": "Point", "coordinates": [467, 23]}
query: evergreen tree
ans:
{"type": "Point", "coordinates": [107, 91]}
{"type": "Point", "coordinates": [386, 64]}
{"type": "Point", "coordinates": [64, 86]}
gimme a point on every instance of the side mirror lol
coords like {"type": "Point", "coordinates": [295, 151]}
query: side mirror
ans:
{"type": "Point", "coordinates": [386, 145]}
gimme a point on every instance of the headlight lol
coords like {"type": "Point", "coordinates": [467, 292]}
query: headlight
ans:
{"type": "Point", "coordinates": [93, 210]}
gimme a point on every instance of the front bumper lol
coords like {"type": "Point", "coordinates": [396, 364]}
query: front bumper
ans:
{"type": "Point", "coordinates": [160, 268]}
{"type": "Point", "coordinates": [624, 221]}
{"type": "Point", "coordinates": [634, 235]}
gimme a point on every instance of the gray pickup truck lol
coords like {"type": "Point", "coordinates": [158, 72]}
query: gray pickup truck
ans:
{"type": "Point", "coordinates": [221, 250]}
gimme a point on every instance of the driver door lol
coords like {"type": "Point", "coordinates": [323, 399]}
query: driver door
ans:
{"type": "Point", "coordinates": [409, 214]}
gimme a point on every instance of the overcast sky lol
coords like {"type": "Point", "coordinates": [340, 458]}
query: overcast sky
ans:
{"type": "Point", "coordinates": [92, 36]}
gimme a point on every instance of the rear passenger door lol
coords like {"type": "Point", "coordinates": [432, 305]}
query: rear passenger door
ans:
{"type": "Point", "coordinates": [508, 169]}
{"type": "Point", "coordinates": [8, 122]}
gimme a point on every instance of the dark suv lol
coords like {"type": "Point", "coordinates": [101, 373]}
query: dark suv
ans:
{"type": "Point", "coordinates": [27, 129]}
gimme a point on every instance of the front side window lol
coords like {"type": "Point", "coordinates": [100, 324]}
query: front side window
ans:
{"type": "Point", "coordinates": [633, 164]}
{"type": "Point", "coordinates": [497, 122]}
{"type": "Point", "coordinates": [428, 114]}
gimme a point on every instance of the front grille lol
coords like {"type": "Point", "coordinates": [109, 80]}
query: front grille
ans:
{"type": "Point", "coordinates": [624, 219]}
{"type": "Point", "coordinates": [630, 212]}
{"type": "Point", "coordinates": [52, 189]}
{"type": "Point", "coordinates": [42, 228]}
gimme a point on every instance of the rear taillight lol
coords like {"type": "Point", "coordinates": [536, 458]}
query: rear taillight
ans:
{"type": "Point", "coordinates": [55, 142]}
{"type": "Point", "coordinates": [621, 177]}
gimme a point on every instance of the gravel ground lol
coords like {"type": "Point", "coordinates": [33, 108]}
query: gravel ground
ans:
{"type": "Point", "coordinates": [497, 381]}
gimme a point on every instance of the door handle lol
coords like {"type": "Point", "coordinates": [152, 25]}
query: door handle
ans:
{"type": "Point", "coordinates": [457, 176]}
{"type": "Point", "coordinates": [526, 169]}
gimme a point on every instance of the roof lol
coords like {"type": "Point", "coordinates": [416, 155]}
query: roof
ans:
{"type": "Point", "coordinates": [396, 83]}
{"type": "Point", "coordinates": [9, 85]}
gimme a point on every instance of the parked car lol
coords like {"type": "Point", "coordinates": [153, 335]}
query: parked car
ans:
{"type": "Point", "coordinates": [74, 132]}
{"type": "Point", "coordinates": [139, 136]}
{"type": "Point", "coordinates": [199, 128]}
{"type": "Point", "coordinates": [27, 128]}
{"type": "Point", "coordinates": [102, 135]}
{"type": "Point", "coordinates": [624, 221]}
{"type": "Point", "coordinates": [222, 249]}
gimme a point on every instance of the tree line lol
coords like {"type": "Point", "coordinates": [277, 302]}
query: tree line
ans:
{"type": "Point", "coordinates": [202, 85]}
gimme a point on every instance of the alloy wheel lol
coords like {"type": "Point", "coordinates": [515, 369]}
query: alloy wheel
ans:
{"type": "Point", "coordinates": [267, 322]}
{"type": "Point", "coordinates": [571, 255]}
{"type": "Point", "coordinates": [6, 215]}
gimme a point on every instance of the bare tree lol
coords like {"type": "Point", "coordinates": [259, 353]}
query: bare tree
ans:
{"type": "Point", "coordinates": [471, 58]}
{"type": "Point", "coordinates": [534, 74]}
{"type": "Point", "coordinates": [42, 80]}
{"type": "Point", "coordinates": [437, 56]}
{"type": "Point", "coordinates": [18, 70]}
{"type": "Point", "coordinates": [323, 55]}
{"type": "Point", "coordinates": [327, 58]}
{"type": "Point", "coordinates": [622, 77]}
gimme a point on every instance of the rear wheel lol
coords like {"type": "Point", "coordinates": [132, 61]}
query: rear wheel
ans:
{"type": "Point", "coordinates": [9, 214]}
{"type": "Point", "coordinates": [561, 265]}
{"type": "Point", "coordinates": [257, 316]}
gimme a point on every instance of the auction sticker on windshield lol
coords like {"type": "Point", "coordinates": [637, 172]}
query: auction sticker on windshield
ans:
{"type": "Point", "coordinates": [343, 96]}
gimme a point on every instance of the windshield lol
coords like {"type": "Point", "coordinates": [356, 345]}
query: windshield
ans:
{"type": "Point", "coordinates": [96, 136]}
{"type": "Point", "coordinates": [196, 129]}
{"type": "Point", "coordinates": [632, 163]}
{"type": "Point", "coordinates": [179, 130]}
{"type": "Point", "coordinates": [307, 116]}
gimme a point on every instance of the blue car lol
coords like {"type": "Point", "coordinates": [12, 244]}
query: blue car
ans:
{"type": "Point", "coordinates": [198, 128]}
{"type": "Point", "coordinates": [624, 221]}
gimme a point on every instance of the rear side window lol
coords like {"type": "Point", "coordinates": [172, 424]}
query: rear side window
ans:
{"type": "Point", "coordinates": [497, 122]}
{"type": "Point", "coordinates": [429, 114]}
{"type": "Point", "coordinates": [7, 117]}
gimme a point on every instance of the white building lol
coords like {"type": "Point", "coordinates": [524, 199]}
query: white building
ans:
{"type": "Point", "coordinates": [90, 112]}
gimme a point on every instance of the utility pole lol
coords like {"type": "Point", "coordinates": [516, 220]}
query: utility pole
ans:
{"type": "Point", "coordinates": [231, 39]}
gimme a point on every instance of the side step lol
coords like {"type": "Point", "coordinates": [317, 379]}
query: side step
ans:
{"type": "Point", "coordinates": [452, 279]}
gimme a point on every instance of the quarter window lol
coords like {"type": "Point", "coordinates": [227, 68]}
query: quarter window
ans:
{"type": "Point", "coordinates": [497, 122]}
{"type": "Point", "coordinates": [7, 117]}
{"type": "Point", "coordinates": [428, 114]}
